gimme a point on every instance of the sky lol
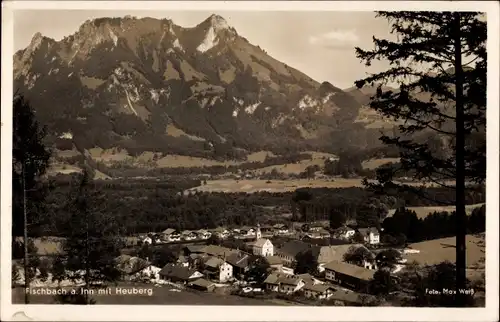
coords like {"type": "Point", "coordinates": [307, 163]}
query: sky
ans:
{"type": "Point", "coordinates": [320, 44]}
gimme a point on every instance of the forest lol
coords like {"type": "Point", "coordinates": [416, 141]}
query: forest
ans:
{"type": "Point", "coordinates": [142, 206]}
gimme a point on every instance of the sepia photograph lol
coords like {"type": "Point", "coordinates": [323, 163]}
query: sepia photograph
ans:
{"type": "Point", "coordinates": [284, 157]}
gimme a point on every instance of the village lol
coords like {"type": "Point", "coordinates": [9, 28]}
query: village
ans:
{"type": "Point", "coordinates": [257, 267]}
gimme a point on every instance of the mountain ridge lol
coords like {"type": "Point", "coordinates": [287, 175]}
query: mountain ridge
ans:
{"type": "Point", "coordinates": [121, 82]}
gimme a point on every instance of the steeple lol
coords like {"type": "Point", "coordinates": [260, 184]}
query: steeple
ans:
{"type": "Point", "coordinates": [258, 233]}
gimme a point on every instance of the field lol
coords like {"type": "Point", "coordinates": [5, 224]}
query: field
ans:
{"type": "Point", "coordinates": [375, 163]}
{"type": "Point", "coordinates": [438, 250]}
{"type": "Point", "coordinates": [161, 295]}
{"type": "Point", "coordinates": [255, 185]}
{"type": "Point", "coordinates": [317, 158]}
{"type": "Point", "coordinates": [423, 212]}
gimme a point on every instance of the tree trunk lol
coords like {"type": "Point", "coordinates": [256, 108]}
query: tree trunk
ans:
{"type": "Point", "coordinates": [460, 166]}
{"type": "Point", "coordinates": [25, 230]}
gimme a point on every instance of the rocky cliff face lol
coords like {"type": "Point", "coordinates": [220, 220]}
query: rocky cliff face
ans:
{"type": "Point", "coordinates": [150, 85]}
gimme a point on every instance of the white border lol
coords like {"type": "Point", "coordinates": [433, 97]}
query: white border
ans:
{"type": "Point", "coordinates": [252, 313]}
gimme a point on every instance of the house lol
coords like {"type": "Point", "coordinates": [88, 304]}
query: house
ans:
{"type": "Point", "coordinates": [134, 268]}
{"type": "Point", "coordinates": [150, 273]}
{"type": "Point", "coordinates": [283, 283]}
{"type": "Point", "coordinates": [167, 232]}
{"type": "Point", "coordinates": [318, 291]}
{"type": "Point", "coordinates": [202, 284]}
{"type": "Point", "coordinates": [178, 273]}
{"type": "Point", "coordinates": [318, 233]}
{"type": "Point", "coordinates": [276, 264]}
{"type": "Point", "coordinates": [183, 260]}
{"type": "Point", "coordinates": [309, 279]}
{"type": "Point", "coordinates": [290, 284]}
{"type": "Point", "coordinates": [175, 237]}
{"type": "Point", "coordinates": [345, 232]}
{"type": "Point", "coordinates": [221, 232]}
{"type": "Point", "coordinates": [349, 275]}
{"type": "Point", "coordinates": [188, 235]}
{"type": "Point", "coordinates": [218, 251]}
{"type": "Point", "coordinates": [289, 250]}
{"type": "Point", "coordinates": [245, 232]}
{"type": "Point", "coordinates": [280, 229]}
{"type": "Point", "coordinates": [263, 247]}
{"type": "Point", "coordinates": [370, 235]}
{"type": "Point", "coordinates": [193, 249]}
{"type": "Point", "coordinates": [218, 269]}
{"type": "Point", "coordinates": [323, 254]}
{"type": "Point", "coordinates": [203, 234]}
{"type": "Point", "coordinates": [147, 240]}
{"type": "Point", "coordinates": [240, 262]}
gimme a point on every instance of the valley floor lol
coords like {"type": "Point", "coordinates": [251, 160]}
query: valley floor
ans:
{"type": "Point", "coordinates": [161, 295]}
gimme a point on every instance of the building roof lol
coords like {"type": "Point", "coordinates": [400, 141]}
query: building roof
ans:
{"type": "Point", "coordinates": [289, 280]}
{"type": "Point", "coordinates": [274, 260]}
{"type": "Point", "coordinates": [260, 242]}
{"type": "Point", "coordinates": [279, 278]}
{"type": "Point", "coordinates": [335, 252]}
{"type": "Point", "coordinates": [168, 231]}
{"type": "Point", "coordinates": [239, 259]}
{"type": "Point", "coordinates": [177, 271]}
{"type": "Point", "coordinates": [214, 262]}
{"type": "Point", "coordinates": [272, 278]}
{"type": "Point", "coordinates": [294, 247]}
{"type": "Point", "coordinates": [320, 288]}
{"type": "Point", "coordinates": [201, 282]}
{"type": "Point", "coordinates": [195, 248]}
{"type": "Point", "coordinates": [216, 250]}
{"type": "Point", "coordinates": [350, 270]}
{"type": "Point", "coordinates": [308, 278]}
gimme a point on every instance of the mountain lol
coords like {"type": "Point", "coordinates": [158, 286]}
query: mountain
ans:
{"type": "Point", "coordinates": [151, 85]}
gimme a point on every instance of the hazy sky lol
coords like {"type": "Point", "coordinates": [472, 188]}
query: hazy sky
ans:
{"type": "Point", "coordinates": [320, 44]}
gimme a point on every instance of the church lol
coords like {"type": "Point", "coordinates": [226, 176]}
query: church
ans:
{"type": "Point", "coordinates": [261, 246]}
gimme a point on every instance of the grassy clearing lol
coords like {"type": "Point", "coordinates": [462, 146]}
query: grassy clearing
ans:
{"type": "Point", "coordinates": [254, 185]}
{"type": "Point", "coordinates": [375, 163]}
{"type": "Point", "coordinates": [423, 212]}
{"type": "Point", "coordinates": [438, 250]}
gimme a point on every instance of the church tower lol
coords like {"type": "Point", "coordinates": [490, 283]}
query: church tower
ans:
{"type": "Point", "coordinates": [258, 233]}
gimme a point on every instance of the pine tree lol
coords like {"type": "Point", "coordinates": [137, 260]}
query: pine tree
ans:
{"type": "Point", "coordinates": [94, 242]}
{"type": "Point", "coordinates": [438, 63]}
{"type": "Point", "coordinates": [30, 159]}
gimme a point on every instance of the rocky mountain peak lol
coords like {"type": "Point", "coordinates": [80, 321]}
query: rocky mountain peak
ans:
{"type": "Point", "coordinates": [218, 22]}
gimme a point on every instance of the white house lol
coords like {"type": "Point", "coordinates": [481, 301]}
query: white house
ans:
{"type": "Point", "coordinates": [188, 235]}
{"type": "Point", "coordinates": [283, 283]}
{"type": "Point", "coordinates": [219, 269]}
{"type": "Point", "coordinates": [280, 229]}
{"type": "Point", "coordinates": [345, 232]}
{"type": "Point", "coordinates": [222, 233]}
{"type": "Point", "coordinates": [263, 247]}
{"type": "Point", "coordinates": [151, 272]}
{"type": "Point", "coordinates": [371, 235]}
{"type": "Point", "coordinates": [147, 240]}
{"type": "Point", "coordinates": [319, 291]}
{"type": "Point", "coordinates": [167, 232]}
{"type": "Point", "coordinates": [203, 234]}
{"type": "Point", "coordinates": [174, 237]}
